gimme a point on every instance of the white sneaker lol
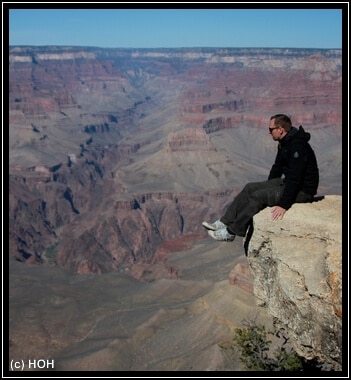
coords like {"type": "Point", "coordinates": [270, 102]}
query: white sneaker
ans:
{"type": "Point", "coordinates": [217, 225]}
{"type": "Point", "coordinates": [222, 235]}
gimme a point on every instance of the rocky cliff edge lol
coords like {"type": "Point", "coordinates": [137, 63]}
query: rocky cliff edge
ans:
{"type": "Point", "coordinates": [297, 268]}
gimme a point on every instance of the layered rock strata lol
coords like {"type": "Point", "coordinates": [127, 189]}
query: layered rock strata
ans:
{"type": "Point", "coordinates": [113, 151]}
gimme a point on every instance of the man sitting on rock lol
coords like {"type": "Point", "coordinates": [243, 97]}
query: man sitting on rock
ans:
{"type": "Point", "coordinates": [293, 178]}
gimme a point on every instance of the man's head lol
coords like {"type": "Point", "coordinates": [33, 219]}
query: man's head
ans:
{"type": "Point", "coordinates": [279, 126]}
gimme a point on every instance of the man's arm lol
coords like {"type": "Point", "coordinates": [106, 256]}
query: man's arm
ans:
{"type": "Point", "coordinates": [295, 174]}
{"type": "Point", "coordinates": [277, 168]}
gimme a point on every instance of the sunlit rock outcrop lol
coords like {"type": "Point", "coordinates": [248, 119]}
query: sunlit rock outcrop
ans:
{"type": "Point", "coordinates": [296, 264]}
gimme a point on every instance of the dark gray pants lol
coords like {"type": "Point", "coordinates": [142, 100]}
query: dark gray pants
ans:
{"type": "Point", "coordinates": [253, 198]}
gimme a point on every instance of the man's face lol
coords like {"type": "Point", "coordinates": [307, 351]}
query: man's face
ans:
{"type": "Point", "coordinates": [276, 132]}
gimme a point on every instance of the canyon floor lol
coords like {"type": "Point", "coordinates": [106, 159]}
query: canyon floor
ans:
{"type": "Point", "coordinates": [114, 322]}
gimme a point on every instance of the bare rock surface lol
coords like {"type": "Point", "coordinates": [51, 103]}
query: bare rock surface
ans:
{"type": "Point", "coordinates": [297, 268]}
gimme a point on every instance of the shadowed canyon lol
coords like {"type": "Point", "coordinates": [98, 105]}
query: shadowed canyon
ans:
{"type": "Point", "coordinates": [116, 156]}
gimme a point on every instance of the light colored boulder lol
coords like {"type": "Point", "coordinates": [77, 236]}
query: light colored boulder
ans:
{"type": "Point", "coordinates": [297, 267]}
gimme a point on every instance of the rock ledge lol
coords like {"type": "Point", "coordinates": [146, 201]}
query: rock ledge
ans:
{"type": "Point", "coordinates": [297, 268]}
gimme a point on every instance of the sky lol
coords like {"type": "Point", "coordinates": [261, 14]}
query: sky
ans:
{"type": "Point", "coordinates": [281, 27]}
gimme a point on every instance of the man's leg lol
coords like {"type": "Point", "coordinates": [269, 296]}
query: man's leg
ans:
{"type": "Point", "coordinates": [253, 198]}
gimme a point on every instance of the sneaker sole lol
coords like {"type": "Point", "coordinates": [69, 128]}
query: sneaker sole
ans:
{"type": "Point", "coordinates": [219, 239]}
{"type": "Point", "coordinates": [208, 226]}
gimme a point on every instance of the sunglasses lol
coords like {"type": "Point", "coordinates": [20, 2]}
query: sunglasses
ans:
{"type": "Point", "coordinates": [271, 129]}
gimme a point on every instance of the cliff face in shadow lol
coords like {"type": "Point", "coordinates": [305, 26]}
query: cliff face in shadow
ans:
{"type": "Point", "coordinates": [296, 264]}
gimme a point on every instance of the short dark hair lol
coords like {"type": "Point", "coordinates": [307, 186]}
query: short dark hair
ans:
{"type": "Point", "coordinates": [283, 121]}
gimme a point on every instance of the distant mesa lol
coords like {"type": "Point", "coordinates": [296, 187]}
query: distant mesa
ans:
{"type": "Point", "coordinates": [188, 139]}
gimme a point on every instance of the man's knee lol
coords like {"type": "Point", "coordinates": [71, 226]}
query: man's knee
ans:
{"type": "Point", "coordinates": [250, 187]}
{"type": "Point", "coordinates": [267, 196]}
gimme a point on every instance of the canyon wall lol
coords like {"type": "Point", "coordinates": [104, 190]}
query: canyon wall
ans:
{"type": "Point", "coordinates": [113, 151]}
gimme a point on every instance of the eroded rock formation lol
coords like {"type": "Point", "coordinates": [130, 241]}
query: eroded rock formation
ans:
{"type": "Point", "coordinates": [296, 264]}
{"type": "Point", "coordinates": [113, 151]}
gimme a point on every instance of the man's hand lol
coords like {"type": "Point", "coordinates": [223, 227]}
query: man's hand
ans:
{"type": "Point", "coordinates": [278, 212]}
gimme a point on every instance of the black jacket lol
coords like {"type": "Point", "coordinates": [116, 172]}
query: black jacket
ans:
{"type": "Point", "coordinates": [295, 160]}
